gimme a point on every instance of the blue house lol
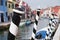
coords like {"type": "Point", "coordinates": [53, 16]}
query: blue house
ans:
{"type": "Point", "coordinates": [3, 11]}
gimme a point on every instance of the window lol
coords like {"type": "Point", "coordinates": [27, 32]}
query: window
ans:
{"type": "Point", "coordinates": [12, 5]}
{"type": "Point", "coordinates": [9, 6]}
{"type": "Point", "coordinates": [1, 2]}
{"type": "Point", "coordinates": [6, 3]}
{"type": "Point", "coordinates": [6, 14]}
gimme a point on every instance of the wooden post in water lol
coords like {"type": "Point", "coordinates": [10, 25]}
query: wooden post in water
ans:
{"type": "Point", "coordinates": [35, 25]}
{"type": "Point", "coordinates": [13, 30]}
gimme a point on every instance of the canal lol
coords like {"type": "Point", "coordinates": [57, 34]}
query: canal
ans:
{"type": "Point", "coordinates": [25, 32]}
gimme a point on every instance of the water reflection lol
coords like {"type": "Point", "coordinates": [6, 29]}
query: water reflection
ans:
{"type": "Point", "coordinates": [3, 35]}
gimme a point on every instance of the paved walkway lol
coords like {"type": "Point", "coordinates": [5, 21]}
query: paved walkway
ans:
{"type": "Point", "coordinates": [4, 24]}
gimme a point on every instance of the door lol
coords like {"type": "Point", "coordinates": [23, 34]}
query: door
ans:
{"type": "Point", "coordinates": [2, 18]}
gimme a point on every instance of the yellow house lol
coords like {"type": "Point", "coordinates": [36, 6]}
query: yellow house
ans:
{"type": "Point", "coordinates": [10, 6]}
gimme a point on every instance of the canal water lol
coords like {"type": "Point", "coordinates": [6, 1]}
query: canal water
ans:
{"type": "Point", "coordinates": [25, 32]}
{"type": "Point", "coordinates": [3, 35]}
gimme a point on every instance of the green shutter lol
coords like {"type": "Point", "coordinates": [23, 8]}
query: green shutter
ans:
{"type": "Point", "coordinates": [12, 5]}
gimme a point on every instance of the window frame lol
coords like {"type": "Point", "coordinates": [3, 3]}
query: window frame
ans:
{"type": "Point", "coordinates": [1, 2]}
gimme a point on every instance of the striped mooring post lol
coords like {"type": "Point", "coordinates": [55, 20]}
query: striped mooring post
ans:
{"type": "Point", "coordinates": [57, 34]}
{"type": "Point", "coordinates": [13, 30]}
{"type": "Point", "coordinates": [51, 28]}
{"type": "Point", "coordinates": [35, 25]}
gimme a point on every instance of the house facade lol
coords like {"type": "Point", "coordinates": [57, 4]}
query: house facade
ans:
{"type": "Point", "coordinates": [11, 4]}
{"type": "Point", "coordinates": [3, 11]}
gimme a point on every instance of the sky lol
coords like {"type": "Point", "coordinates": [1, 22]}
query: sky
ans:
{"type": "Point", "coordinates": [34, 4]}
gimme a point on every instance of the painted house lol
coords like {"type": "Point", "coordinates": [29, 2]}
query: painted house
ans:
{"type": "Point", "coordinates": [3, 11]}
{"type": "Point", "coordinates": [11, 4]}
